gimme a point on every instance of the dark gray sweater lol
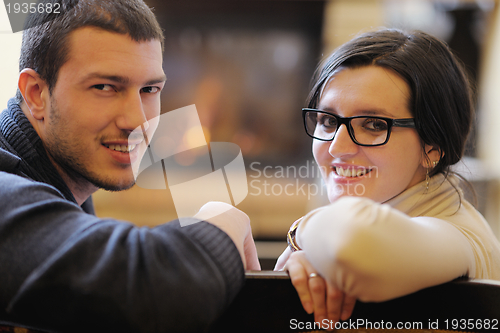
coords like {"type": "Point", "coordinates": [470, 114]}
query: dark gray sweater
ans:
{"type": "Point", "coordinates": [64, 269]}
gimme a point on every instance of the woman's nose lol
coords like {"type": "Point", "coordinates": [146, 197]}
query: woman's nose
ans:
{"type": "Point", "coordinates": [342, 143]}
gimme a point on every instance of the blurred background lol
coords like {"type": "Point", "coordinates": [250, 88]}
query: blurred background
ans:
{"type": "Point", "coordinates": [247, 66]}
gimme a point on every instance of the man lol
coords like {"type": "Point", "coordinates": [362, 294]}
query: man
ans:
{"type": "Point", "coordinates": [89, 78]}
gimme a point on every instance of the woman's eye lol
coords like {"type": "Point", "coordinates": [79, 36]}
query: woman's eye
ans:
{"type": "Point", "coordinates": [327, 121]}
{"type": "Point", "coordinates": [104, 87]}
{"type": "Point", "coordinates": [150, 90]}
{"type": "Point", "coordinates": [375, 124]}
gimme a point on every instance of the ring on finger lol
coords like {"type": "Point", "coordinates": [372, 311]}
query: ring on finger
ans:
{"type": "Point", "coordinates": [313, 275]}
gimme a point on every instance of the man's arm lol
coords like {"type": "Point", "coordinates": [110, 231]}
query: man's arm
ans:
{"type": "Point", "coordinates": [68, 270]}
{"type": "Point", "coordinates": [236, 224]}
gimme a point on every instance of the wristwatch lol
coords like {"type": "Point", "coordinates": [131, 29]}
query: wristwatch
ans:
{"type": "Point", "coordinates": [290, 237]}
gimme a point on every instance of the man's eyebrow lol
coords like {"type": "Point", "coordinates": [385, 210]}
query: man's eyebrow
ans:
{"type": "Point", "coordinates": [121, 79]}
{"type": "Point", "coordinates": [161, 79]}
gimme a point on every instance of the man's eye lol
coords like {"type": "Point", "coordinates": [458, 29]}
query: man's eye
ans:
{"type": "Point", "coordinates": [104, 87]}
{"type": "Point", "coordinates": [150, 90]}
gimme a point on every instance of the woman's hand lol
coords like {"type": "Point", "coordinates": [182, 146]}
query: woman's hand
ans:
{"type": "Point", "coordinates": [283, 258]}
{"type": "Point", "coordinates": [316, 294]}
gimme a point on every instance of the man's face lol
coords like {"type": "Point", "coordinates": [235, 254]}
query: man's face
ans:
{"type": "Point", "coordinates": [109, 86]}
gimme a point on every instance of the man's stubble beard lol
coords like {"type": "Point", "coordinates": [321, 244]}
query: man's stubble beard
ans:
{"type": "Point", "coordinates": [64, 154]}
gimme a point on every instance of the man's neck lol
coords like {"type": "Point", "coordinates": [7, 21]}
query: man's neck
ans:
{"type": "Point", "coordinates": [81, 188]}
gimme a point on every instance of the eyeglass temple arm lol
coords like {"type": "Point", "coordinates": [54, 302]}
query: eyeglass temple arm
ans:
{"type": "Point", "coordinates": [409, 122]}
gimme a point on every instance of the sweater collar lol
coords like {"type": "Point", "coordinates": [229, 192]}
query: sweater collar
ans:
{"type": "Point", "coordinates": [23, 139]}
{"type": "Point", "coordinates": [437, 200]}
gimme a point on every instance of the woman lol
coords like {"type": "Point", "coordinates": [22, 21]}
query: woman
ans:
{"type": "Point", "coordinates": [397, 221]}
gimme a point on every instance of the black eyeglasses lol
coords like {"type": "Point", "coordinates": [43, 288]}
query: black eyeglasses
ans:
{"type": "Point", "coordinates": [363, 130]}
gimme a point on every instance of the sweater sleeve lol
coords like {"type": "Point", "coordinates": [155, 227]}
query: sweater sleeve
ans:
{"type": "Point", "coordinates": [375, 253]}
{"type": "Point", "coordinates": [66, 270]}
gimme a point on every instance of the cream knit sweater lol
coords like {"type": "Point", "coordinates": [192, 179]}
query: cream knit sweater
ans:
{"type": "Point", "coordinates": [418, 239]}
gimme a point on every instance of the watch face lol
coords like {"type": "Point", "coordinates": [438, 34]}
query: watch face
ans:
{"type": "Point", "coordinates": [290, 238]}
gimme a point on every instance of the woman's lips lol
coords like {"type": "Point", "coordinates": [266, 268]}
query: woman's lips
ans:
{"type": "Point", "coordinates": [350, 172]}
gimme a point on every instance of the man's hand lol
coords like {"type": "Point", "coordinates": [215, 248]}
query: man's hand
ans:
{"type": "Point", "coordinates": [236, 225]}
{"type": "Point", "coordinates": [316, 294]}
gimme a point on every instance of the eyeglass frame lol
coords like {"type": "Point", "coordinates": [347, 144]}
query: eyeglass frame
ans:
{"type": "Point", "coordinates": [401, 122]}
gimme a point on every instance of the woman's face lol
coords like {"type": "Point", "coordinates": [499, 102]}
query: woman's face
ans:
{"type": "Point", "coordinates": [391, 168]}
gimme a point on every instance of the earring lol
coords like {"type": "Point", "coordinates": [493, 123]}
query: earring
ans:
{"type": "Point", "coordinates": [427, 178]}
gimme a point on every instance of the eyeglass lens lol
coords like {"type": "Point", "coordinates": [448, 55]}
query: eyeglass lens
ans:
{"type": "Point", "coordinates": [366, 130]}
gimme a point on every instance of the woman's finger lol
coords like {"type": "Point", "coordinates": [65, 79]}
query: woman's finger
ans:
{"type": "Point", "coordinates": [347, 307]}
{"type": "Point", "coordinates": [298, 276]}
{"type": "Point", "coordinates": [317, 287]}
{"type": "Point", "coordinates": [334, 300]}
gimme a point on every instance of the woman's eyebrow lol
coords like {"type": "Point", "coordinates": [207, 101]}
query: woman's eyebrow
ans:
{"type": "Point", "coordinates": [366, 112]}
{"type": "Point", "coordinates": [377, 112]}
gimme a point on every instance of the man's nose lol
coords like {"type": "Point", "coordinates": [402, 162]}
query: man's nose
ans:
{"type": "Point", "coordinates": [132, 114]}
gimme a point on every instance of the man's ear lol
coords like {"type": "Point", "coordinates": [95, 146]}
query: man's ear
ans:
{"type": "Point", "coordinates": [432, 153]}
{"type": "Point", "coordinates": [35, 92]}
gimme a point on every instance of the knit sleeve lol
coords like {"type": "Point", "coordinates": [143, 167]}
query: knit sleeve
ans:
{"type": "Point", "coordinates": [67, 270]}
{"type": "Point", "coordinates": [375, 253]}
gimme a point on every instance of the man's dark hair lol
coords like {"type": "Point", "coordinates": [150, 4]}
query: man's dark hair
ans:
{"type": "Point", "coordinates": [441, 96]}
{"type": "Point", "coordinates": [45, 47]}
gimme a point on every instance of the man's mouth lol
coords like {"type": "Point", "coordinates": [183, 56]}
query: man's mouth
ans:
{"type": "Point", "coordinates": [121, 148]}
{"type": "Point", "coordinates": [351, 172]}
